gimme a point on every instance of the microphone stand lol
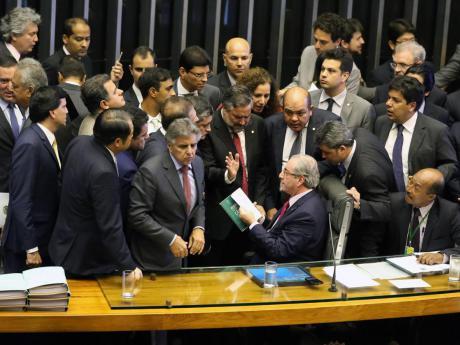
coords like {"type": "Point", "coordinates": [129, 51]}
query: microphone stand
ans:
{"type": "Point", "coordinates": [333, 287]}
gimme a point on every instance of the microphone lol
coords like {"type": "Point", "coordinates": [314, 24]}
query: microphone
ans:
{"type": "Point", "coordinates": [333, 287]}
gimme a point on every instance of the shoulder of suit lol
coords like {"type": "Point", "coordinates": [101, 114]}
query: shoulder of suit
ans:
{"type": "Point", "coordinates": [211, 88]}
{"type": "Point", "coordinates": [431, 123]}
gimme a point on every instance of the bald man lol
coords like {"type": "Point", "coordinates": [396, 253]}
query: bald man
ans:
{"type": "Point", "coordinates": [422, 221]}
{"type": "Point", "coordinates": [291, 132]}
{"type": "Point", "coordinates": [237, 59]}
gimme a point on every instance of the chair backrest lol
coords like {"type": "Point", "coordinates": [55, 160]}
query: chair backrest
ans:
{"type": "Point", "coordinates": [333, 190]}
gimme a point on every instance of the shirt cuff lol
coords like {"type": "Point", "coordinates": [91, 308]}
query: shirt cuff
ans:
{"type": "Point", "coordinates": [198, 227]}
{"type": "Point", "coordinates": [253, 225]}
{"type": "Point", "coordinates": [227, 180]}
{"type": "Point", "coordinates": [32, 250]}
{"type": "Point", "coordinates": [174, 238]}
{"type": "Point", "coordinates": [445, 259]}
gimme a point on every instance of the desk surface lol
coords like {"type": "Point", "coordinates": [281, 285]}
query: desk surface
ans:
{"type": "Point", "coordinates": [90, 311]}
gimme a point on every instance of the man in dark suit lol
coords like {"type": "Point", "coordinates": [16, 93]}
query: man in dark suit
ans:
{"type": "Point", "coordinates": [19, 32]}
{"type": "Point", "coordinates": [453, 105]}
{"type": "Point", "coordinates": [88, 237]}
{"type": "Point", "coordinates": [413, 140]}
{"type": "Point", "coordinates": [422, 221]}
{"type": "Point", "coordinates": [237, 59]}
{"type": "Point", "coordinates": [290, 133]}
{"type": "Point", "coordinates": [365, 168]}
{"type": "Point", "coordinates": [143, 58]}
{"type": "Point", "coordinates": [299, 230]}
{"type": "Point", "coordinates": [166, 203]}
{"type": "Point", "coordinates": [34, 195]}
{"type": "Point", "coordinates": [233, 154]}
{"type": "Point", "coordinates": [194, 69]}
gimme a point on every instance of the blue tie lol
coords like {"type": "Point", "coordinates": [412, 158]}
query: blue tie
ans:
{"type": "Point", "coordinates": [342, 170]}
{"type": "Point", "coordinates": [14, 121]}
{"type": "Point", "coordinates": [397, 159]}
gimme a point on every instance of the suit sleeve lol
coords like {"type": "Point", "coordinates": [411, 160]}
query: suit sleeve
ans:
{"type": "Point", "coordinates": [450, 72]}
{"type": "Point", "coordinates": [104, 191]}
{"type": "Point", "coordinates": [142, 200]}
{"type": "Point", "coordinates": [214, 172]}
{"type": "Point", "coordinates": [354, 81]}
{"type": "Point", "coordinates": [446, 155]}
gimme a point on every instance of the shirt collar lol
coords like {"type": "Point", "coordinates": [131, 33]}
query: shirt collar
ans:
{"type": "Point", "coordinates": [13, 51]}
{"type": "Point", "coordinates": [347, 161]}
{"type": "Point", "coordinates": [339, 99]}
{"type": "Point", "coordinates": [181, 90]}
{"type": "Point", "coordinates": [66, 52]}
{"type": "Point", "coordinates": [295, 198]}
{"type": "Point", "coordinates": [113, 156]}
{"type": "Point", "coordinates": [177, 164]}
{"type": "Point", "coordinates": [425, 209]}
{"type": "Point", "coordinates": [409, 125]}
{"type": "Point", "coordinates": [138, 93]}
{"type": "Point", "coordinates": [4, 105]}
{"type": "Point", "coordinates": [232, 80]}
{"type": "Point", "coordinates": [421, 109]}
{"type": "Point", "coordinates": [49, 135]}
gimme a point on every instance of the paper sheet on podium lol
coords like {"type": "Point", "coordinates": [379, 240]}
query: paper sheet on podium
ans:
{"type": "Point", "coordinates": [351, 276]}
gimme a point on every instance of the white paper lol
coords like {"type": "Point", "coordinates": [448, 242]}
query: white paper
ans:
{"type": "Point", "coordinates": [409, 283]}
{"type": "Point", "coordinates": [12, 282]}
{"type": "Point", "coordinates": [43, 276]}
{"type": "Point", "coordinates": [410, 264]}
{"type": "Point", "coordinates": [244, 202]}
{"type": "Point", "coordinates": [383, 270]}
{"type": "Point", "coordinates": [4, 200]}
{"type": "Point", "coordinates": [351, 276]}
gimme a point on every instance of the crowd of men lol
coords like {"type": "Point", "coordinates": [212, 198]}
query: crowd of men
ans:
{"type": "Point", "coordinates": [102, 180]}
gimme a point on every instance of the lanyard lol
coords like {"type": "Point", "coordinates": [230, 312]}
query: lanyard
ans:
{"type": "Point", "coordinates": [411, 232]}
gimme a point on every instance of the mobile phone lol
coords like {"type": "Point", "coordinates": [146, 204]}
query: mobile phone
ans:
{"type": "Point", "coordinates": [312, 280]}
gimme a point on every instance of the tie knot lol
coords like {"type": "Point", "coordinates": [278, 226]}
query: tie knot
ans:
{"type": "Point", "coordinates": [11, 106]}
{"type": "Point", "coordinates": [400, 128]}
{"type": "Point", "coordinates": [184, 169]}
{"type": "Point", "coordinates": [417, 212]}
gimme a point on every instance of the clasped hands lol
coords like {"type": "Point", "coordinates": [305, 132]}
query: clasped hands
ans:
{"type": "Point", "coordinates": [195, 245]}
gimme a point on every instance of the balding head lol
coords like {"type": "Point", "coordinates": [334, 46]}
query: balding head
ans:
{"type": "Point", "coordinates": [424, 186]}
{"type": "Point", "coordinates": [297, 108]}
{"type": "Point", "coordinates": [237, 56]}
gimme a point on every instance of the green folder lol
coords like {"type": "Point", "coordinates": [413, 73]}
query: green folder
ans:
{"type": "Point", "coordinates": [232, 209]}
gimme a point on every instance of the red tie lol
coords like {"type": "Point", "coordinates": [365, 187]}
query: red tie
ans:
{"type": "Point", "coordinates": [283, 209]}
{"type": "Point", "coordinates": [237, 143]}
{"type": "Point", "coordinates": [186, 186]}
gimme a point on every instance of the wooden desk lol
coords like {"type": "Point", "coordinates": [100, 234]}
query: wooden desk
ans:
{"type": "Point", "coordinates": [89, 311]}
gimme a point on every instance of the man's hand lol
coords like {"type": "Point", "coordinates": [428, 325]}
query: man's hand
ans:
{"type": "Point", "coordinates": [356, 197]}
{"type": "Point", "coordinates": [137, 273]}
{"type": "Point", "coordinates": [116, 73]}
{"type": "Point", "coordinates": [271, 213]}
{"type": "Point", "coordinates": [33, 259]}
{"type": "Point", "coordinates": [431, 258]}
{"type": "Point", "coordinates": [282, 92]}
{"type": "Point", "coordinates": [232, 164]}
{"type": "Point", "coordinates": [196, 241]}
{"type": "Point", "coordinates": [179, 247]}
{"type": "Point", "coordinates": [246, 216]}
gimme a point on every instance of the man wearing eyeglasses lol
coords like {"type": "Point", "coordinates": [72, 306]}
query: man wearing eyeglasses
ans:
{"type": "Point", "coordinates": [194, 71]}
{"type": "Point", "coordinates": [143, 57]}
{"type": "Point", "coordinates": [290, 133]}
{"type": "Point", "coordinates": [298, 230]}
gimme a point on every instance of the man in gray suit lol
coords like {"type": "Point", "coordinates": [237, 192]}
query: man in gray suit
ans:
{"type": "Point", "coordinates": [334, 96]}
{"type": "Point", "coordinates": [328, 32]}
{"type": "Point", "coordinates": [166, 203]}
{"type": "Point", "coordinates": [194, 69]}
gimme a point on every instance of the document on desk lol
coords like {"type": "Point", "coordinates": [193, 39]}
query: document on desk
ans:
{"type": "Point", "coordinates": [383, 270]}
{"type": "Point", "coordinates": [410, 265]}
{"type": "Point", "coordinates": [351, 276]}
{"type": "Point", "coordinates": [409, 283]}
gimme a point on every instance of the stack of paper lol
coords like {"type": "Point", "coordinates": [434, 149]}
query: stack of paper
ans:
{"type": "Point", "coordinates": [13, 292]}
{"type": "Point", "coordinates": [351, 276]}
{"type": "Point", "coordinates": [47, 288]}
{"type": "Point", "coordinates": [410, 265]}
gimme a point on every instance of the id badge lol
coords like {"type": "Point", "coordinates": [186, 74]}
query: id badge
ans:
{"type": "Point", "coordinates": [409, 250]}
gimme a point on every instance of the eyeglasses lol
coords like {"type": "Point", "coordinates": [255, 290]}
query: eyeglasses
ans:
{"type": "Point", "coordinates": [287, 172]}
{"type": "Point", "coordinates": [200, 75]}
{"type": "Point", "coordinates": [401, 65]}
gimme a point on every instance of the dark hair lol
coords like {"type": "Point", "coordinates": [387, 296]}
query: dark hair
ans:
{"type": "Point", "coordinates": [426, 72]}
{"type": "Point", "coordinates": [334, 134]}
{"type": "Point", "coordinates": [351, 26]}
{"type": "Point", "coordinates": [410, 88]}
{"type": "Point", "coordinates": [143, 52]}
{"type": "Point", "coordinates": [152, 77]}
{"type": "Point", "coordinates": [7, 61]}
{"type": "Point", "coordinates": [72, 67]}
{"type": "Point", "coordinates": [398, 27]}
{"type": "Point", "coordinates": [112, 124]}
{"type": "Point", "coordinates": [69, 23]}
{"type": "Point", "coordinates": [332, 24]}
{"type": "Point", "coordinates": [340, 54]}
{"type": "Point", "coordinates": [194, 56]}
{"type": "Point", "coordinates": [236, 96]}
{"type": "Point", "coordinates": [256, 76]}
{"type": "Point", "coordinates": [93, 92]}
{"type": "Point", "coordinates": [43, 100]}
{"type": "Point", "coordinates": [201, 104]}
{"type": "Point", "coordinates": [139, 118]}
{"type": "Point", "coordinates": [175, 107]}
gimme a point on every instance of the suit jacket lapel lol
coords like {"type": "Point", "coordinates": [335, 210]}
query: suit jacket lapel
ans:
{"type": "Point", "coordinates": [310, 142]}
{"type": "Point", "coordinates": [406, 217]}
{"type": "Point", "coordinates": [6, 125]}
{"type": "Point", "coordinates": [347, 107]}
{"type": "Point", "coordinates": [173, 178]}
{"type": "Point", "coordinates": [279, 133]}
{"type": "Point", "coordinates": [292, 209]}
{"type": "Point", "coordinates": [418, 137]}
{"type": "Point", "coordinates": [352, 167]}
{"type": "Point", "coordinates": [46, 143]}
{"type": "Point", "coordinates": [222, 131]}
{"type": "Point", "coordinates": [250, 134]}
{"type": "Point", "coordinates": [432, 222]}
{"type": "Point", "coordinates": [386, 127]}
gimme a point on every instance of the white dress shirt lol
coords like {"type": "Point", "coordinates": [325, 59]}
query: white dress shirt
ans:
{"type": "Point", "coordinates": [19, 117]}
{"type": "Point", "coordinates": [338, 101]}
{"type": "Point", "coordinates": [289, 139]}
{"type": "Point", "coordinates": [182, 91]}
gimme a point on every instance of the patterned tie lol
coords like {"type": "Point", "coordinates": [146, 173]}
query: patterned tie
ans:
{"type": "Point", "coordinates": [295, 149]}
{"type": "Point", "coordinates": [237, 143]}
{"type": "Point", "coordinates": [330, 104]}
{"type": "Point", "coordinates": [186, 187]}
{"type": "Point", "coordinates": [14, 121]}
{"type": "Point", "coordinates": [397, 159]}
{"type": "Point", "coordinates": [414, 225]}
{"type": "Point", "coordinates": [56, 152]}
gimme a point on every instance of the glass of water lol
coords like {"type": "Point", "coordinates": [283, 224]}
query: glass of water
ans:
{"type": "Point", "coordinates": [128, 284]}
{"type": "Point", "coordinates": [270, 274]}
{"type": "Point", "coordinates": [454, 269]}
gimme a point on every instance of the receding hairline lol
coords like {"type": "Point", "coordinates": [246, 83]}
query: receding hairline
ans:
{"type": "Point", "coordinates": [235, 41]}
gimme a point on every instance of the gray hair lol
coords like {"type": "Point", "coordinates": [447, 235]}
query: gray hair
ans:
{"type": "Point", "coordinates": [334, 134]}
{"type": "Point", "coordinates": [307, 167]}
{"type": "Point", "coordinates": [202, 106]}
{"type": "Point", "coordinates": [417, 50]}
{"type": "Point", "coordinates": [236, 96]}
{"type": "Point", "coordinates": [32, 74]}
{"type": "Point", "coordinates": [183, 127]}
{"type": "Point", "coordinates": [15, 22]}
